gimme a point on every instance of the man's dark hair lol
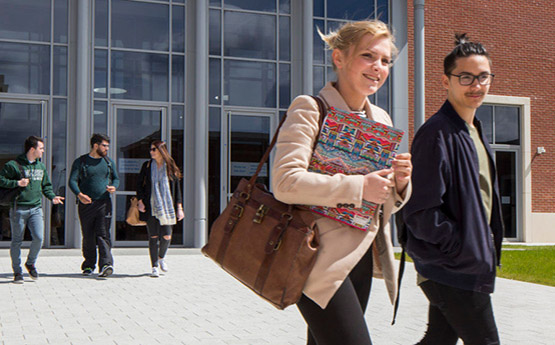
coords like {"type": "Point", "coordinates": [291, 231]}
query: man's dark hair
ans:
{"type": "Point", "coordinates": [463, 48]}
{"type": "Point", "coordinates": [98, 138]}
{"type": "Point", "coordinates": [32, 142]}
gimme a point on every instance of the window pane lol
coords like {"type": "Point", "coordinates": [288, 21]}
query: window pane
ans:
{"type": "Point", "coordinates": [284, 85]}
{"type": "Point", "coordinates": [250, 83]}
{"type": "Point", "coordinates": [285, 38]}
{"type": "Point", "coordinates": [318, 8]}
{"type": "Point", "coordinates": [178, 28]}
{"type": "Point", "coordinates": [318, 45]}
{"type": "Point", "coordinates": [507, 125]}
{"type": "Point", "coordinates": [285, 6]}
{"type": "Point", "coordinates": [214, 164]}
{"type": "Point", "coordinates": [178, 78]}
{"type": "Point", "coordinates": [330, 74]}
{"type": "Point", "coordinates": [100, 113]}
{"type": "Point", "coordinates": [60, 21]}
{"type": "Point", "coordinates": [100, 73]}
{"type": "Point", "coordinates": [58, 143]}
{"type": "Point", "coordinates": [382, 12]}
{"type": "Point", "coordinates": [215, 34]}
{"type": "Point", "coordinates": [216, 3]}
{"type": "Point", "coordinates": [485, 114]}
{"type": "Point", "coordinates": [101, 23]}
{"type": "Point", "coordinates": [255, 5]}
{"type": "Point", "coordinates": [25, 20]}
{"type": "Point", "coordinates": [214, 86]}
{"type": "Point", "coordinates": [250, 35]}
{"type": "Point", "coordinates": [350, 9]}
{"type": "Point", "coordinates": [140, 25]}
{"type": "Point", "coordinates": [25, 68]}
{"type": "Point", "coordinates": [318, 78]}
{"type": "Point", "coordinates": [383, 96]}
{"type": "Point", "coordinates": [178, 119]}
{"type": "Point", "coordinates": [60, 71]}
{"type": "Point", "coordinates": [139, 76]}
{"type": "Point", "coordinates": [506, 173]}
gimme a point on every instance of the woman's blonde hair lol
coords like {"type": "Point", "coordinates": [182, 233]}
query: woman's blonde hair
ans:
{"type": "Point", "coordinates": [350, 34]}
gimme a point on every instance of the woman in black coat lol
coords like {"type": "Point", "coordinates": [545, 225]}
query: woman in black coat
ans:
{"type": "Point", "coordinates": [160, 202]}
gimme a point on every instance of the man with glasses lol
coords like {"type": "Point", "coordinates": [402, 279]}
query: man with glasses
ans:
{"type": "Point", "coordinates": [453, 219]}
{"type": "Point", "coordinates": [93, 179]}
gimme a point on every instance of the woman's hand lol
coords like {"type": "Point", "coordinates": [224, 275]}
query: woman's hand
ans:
{"type": "Point", "coordinates": [377, 186]}
{"type": "Point", "coordinates": [180, 213]}
{"type": "Point", "coordinates": [402, 168]}
{"type": "Point", "coordinates": [141, 206]}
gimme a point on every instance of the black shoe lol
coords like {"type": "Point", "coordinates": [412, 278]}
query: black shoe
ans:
{"type": "Point", "coordinates": [18, 278]}
{"type": "Point", "coordinates": [87, 271]}
{"type": "Point", "coordinates": [106, 271]}
{"type": "Point", "coordinates": [32, 271]}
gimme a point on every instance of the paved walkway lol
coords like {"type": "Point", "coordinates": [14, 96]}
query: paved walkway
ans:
{"type": "Point", "coordinates": [197, 303]}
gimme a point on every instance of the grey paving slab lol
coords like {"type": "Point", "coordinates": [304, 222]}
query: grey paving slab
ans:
{"type": "Point", "coordinates": [197, 303]}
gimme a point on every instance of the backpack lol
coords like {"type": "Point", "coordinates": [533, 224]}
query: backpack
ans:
{"type": "Point", "coordinates": [10, 195]}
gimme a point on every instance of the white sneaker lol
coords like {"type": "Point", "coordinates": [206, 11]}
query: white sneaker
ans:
{"type": "Point", "coordinates": [163, 265]}
{"type": "Point", "coordinates": [155, 273]}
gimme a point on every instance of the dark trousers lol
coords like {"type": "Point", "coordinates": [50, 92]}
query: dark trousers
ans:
{"type": "Point", "coordinates": [456, 313]}
{"type": "Point", "coordinates": [96, 219]}
{"type": "Point", "coordinates": [156, 233]}
{"type": "Point", "coordinates": [342, 322]}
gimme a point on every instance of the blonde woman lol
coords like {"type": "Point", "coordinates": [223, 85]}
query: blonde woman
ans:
{"type": "Point", "coordinates": [337, 291]}
{"type": "Point", "coordinates": [160, 202]}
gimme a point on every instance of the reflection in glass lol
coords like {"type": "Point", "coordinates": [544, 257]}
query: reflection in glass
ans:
{"type": "Point", "coordinates": [101, 23]}
{"type": "Point", "coordinates": [214, 34]}
{"type": "Point", "coordinates": [485, 114]}
{"type": "Point", "coordinates": [382, 12]}
{"type": "Point", "coordinates": [250, 35]}
{"type": "Point", "coordinates": [318, 79]}
{"type": "Point", "coordinates": [318, 45]}
{"type": "Point", "coordinates": [349, 9]}
{"type": "Point", "coordinates": [178, 78]}
{"type": "Point", "coordinates": [58, 145]}
{"type": "Point", "coordinates": [284, 6]}
{"type": "Point", "coordinates": [178, 29]}
{"type": "Point", "coordinates": [60, 71]}
{"type": "Point", "coordinates": [140, 25]}
{"type": "Point", "coordinates": [100, 116]}
{"type": "Point", "coordinates": [60, 21]}
{"type": "Point", "coordinates": [255, 5]}
{"type": "Point", "coordinates": [250, 83]}
{"type": "Point", "coordinates": [25, 68]}
{"type": "Point", "coordinates": [214, 164]}
{"type": "Point", "coordinates": [140, 76]}
{"type": "Point", "coordinates": [100, 73]}
{"type": "Point", "coordinates": [507, 125]}
{"type": "Point", "coordinates": [25, 20]}
{"type": "Point", "coordinates": [177, 151]}
{"type": "Point", "coordinates": [506, 173]}
{"type": "Point", "coordinates": [17, 122]}
{"type": "Point", "coordinates": [284, 85]}
{"type": "Point", "coordinates": [214, 84]}
{"type": "Point", "coordinates": [285, 38]}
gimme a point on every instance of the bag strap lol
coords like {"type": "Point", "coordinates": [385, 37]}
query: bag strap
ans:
{"type": "Point", "coordinates": [321, 109]}
{"type": "Point", "coordinates": [401, 228]}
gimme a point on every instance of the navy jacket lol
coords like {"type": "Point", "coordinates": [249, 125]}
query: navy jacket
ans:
{"type": "Point", "coordinates": [449, 237]}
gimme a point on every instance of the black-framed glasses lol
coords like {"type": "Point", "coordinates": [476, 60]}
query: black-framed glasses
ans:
{"type": "Point", "coordinates": [468, 79]}
{"type": "Point", "coordinates": [105, 145]}
{"type": "Point", "coordinates": [152, 149]}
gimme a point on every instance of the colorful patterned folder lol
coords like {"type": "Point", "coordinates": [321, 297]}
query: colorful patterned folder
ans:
{"type": "Point", "coordinates": [351, 145]}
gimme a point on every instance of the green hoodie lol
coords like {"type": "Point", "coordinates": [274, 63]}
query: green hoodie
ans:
{"type": "Point", "coordinates": [39, 183]}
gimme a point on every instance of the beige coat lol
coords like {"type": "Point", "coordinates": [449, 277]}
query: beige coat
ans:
{"type": "Point", "coordinates": [341, 246]}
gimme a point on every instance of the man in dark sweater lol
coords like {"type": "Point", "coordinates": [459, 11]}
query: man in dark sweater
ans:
{"type": "Point", "coordinates": [26, 209]}
{"type": "Point", "coordinates": [453, 219]}
{"type": "Point", "coordinates": [93, 179]}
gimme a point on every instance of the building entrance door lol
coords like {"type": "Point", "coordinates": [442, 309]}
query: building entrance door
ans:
{"type": "Point", "coordinates": [20, 118]}
{"type": "Point", "coordinates": [245, 138]}
{"type": "Point", "coordinates": [506, 161]}
{"type": "Point", "coordinates": [132, 130]}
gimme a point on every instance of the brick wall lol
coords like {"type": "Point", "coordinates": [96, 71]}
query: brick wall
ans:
{"type": "Point", "coordinates": [520, 36]}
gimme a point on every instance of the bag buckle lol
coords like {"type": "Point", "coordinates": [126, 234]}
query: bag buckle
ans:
{"type": "Point", "coordinates": [260, 213]}
{"type": "Point", "coordinates": [239, 210]}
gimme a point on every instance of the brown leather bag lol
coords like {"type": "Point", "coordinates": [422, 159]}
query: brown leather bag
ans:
{"type": "Point", "coordinates": [133, 213]}
{"type": "Point", "coordinates": [267, 245]}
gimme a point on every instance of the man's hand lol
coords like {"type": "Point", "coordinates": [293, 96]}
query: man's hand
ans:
{"type": "Point", "coordinates": [85, 199]}
{"type": "Point", "coordinates": [402, 168]}
{"type": "Point", "coordinates": [110, 189]}
{"type": "Point", "coordinates": [58, 200]}
{"type": "Point", "coordinates": [23, 182]}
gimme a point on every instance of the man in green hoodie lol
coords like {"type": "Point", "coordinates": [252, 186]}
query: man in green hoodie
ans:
{"type": "Point", "coordinates": [27, 207]}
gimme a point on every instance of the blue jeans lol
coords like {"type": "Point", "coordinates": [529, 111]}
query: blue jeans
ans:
{"type": "Point", "coordinates": [34, 219]}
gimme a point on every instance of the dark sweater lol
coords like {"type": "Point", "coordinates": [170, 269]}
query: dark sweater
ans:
{"type": "Point", "coordinates": [91, 176]}
{"type": "Point", "coordinates": [449, 236]}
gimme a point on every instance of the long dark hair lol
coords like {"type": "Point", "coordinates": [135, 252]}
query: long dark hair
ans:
{"type": "Point", "coordinates": [463, 48]}
{"type": "Point", "coordinates": [172, 169]}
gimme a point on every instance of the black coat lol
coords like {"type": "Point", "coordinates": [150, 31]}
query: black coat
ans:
{"type": "Point", "coordinates": [144, 190]}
